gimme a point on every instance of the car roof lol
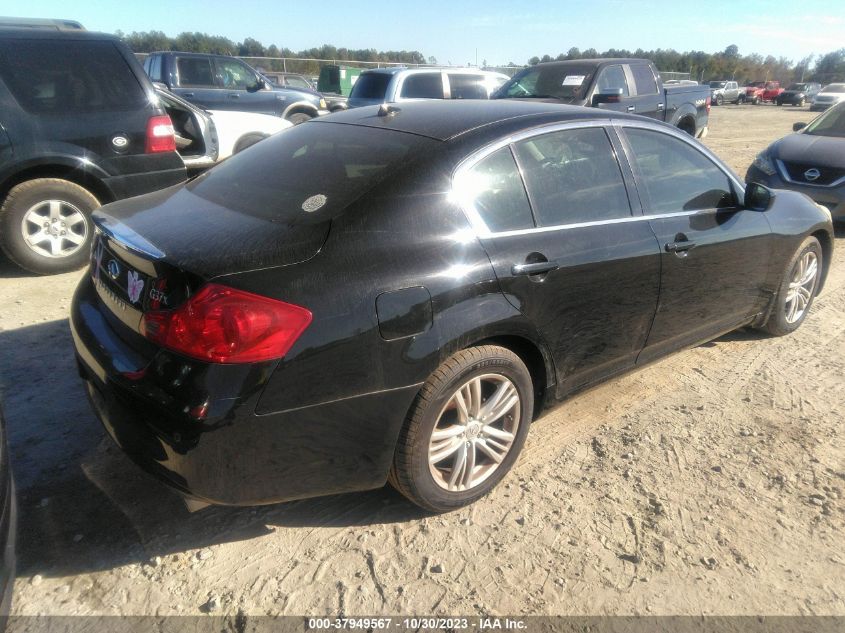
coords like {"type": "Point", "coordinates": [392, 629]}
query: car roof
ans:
{"type": "Point", "coordinates": [446, 119]}
{"type": "Point", "coordinates": [460, 70]}
{"type": "Point", "coordinates": [595, 61]}
{"type": "Point", "coordinates": [32, 33]}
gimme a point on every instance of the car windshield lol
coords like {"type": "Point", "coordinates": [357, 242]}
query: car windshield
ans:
{"type": "Point", "coordinates": [797, 87]}
{"type": "Point", "coordinates": [831, 123]}
{"type": "Point", "coordinates": [834, 88]}
{"type": "Point", "coordinates": [560, 82]}
{"type": "Point", "coordinates": [370, 86]}
{"type": "Point", "coordinates": [310, 172]}
{"type": "Point", "coordinates": [717, 84]}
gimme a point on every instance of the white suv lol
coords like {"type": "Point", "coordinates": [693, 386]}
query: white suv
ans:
{"type": "Point", "coordinates": [389, 85]}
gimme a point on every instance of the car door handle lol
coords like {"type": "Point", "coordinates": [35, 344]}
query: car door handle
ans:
{"type": "Point", "coordinates": [187, 94]}
{"type": "Point", "coordinates": [660, 106]}
{"type": "Point", "coordinates": [234, 95]}
{"type": "Point", "coordinates": [679, 247]}
{"type": "Point", "coordinates": [631, 108]}
{"type": "Point", "coordinates": [533, 269]}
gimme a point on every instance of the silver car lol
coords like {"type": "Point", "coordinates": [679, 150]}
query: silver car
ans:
{"type": "Point", "coordinates": [390, 85]}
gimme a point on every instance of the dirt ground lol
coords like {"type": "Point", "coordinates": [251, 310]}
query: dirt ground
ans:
{"type": "Point", "coordinates": [710, 483]}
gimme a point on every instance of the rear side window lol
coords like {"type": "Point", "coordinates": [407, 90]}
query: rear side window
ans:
{"type": "Point", "coordinates": [63, 76]}
{"type": "Point", "coordinates": [462, 86]}
{"type": "Point", "coordinates": [310, 172]}
{"type": "Point", "coordinates": [195, 72]}
{"type": "Point", "coordinates": [423, 86]}
{"type": "Point", "coordinates": [494, 188]}
{"type": "Point", "coordinates": [573, 176]}
{"type": "Point", "coordinates": [370, 86]}
{"type": "Point", "coordinates": [677, 177]}
{"type": "Point", "coordinates": [644, 79]}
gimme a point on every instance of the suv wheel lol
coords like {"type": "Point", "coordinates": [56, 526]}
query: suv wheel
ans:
{"type": "Point", "coordinates": [719, 100]}
{"type": "Point", "coordinates": [465, 430]}
{"type": "Point", "coordinates": [45, 225]}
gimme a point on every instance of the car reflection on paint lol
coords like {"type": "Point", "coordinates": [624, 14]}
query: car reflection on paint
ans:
{"type": "Point", "coordinates": [395, 293]}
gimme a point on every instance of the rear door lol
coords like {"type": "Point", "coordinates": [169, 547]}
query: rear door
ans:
{"type": "Point", "coordinates": [714, 253]}
{"type": "Point", "coordinates": [567, 249]}
{"type": "Point", "coordinates": [647, 99]}
{"type": "Point", "coordinates": [465, 86]}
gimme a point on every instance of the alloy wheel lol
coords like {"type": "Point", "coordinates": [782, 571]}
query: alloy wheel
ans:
{"type": "Point", "coordinates": [474, 432]}
{"type": "Point", "coordinates": [801, 287]}
{"type": "Point", "coordinates": [54, 228]}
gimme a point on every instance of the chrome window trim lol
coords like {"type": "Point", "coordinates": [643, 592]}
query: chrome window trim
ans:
{"type": "Point", "coordinates": [784, 173]}
{"type": "Point", "coordinates": [480, 227]}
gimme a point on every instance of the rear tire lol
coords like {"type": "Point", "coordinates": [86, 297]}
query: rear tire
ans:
{"type": "Point", "coordinates": [45, 225]}
{"type": "Point", "coordinates": [476, 449]}
{"type": "Point", "coordinates": [798, 287]}
{"type": "Point", "coordinates": [299, 117]}
{"type": "Point", "coordinates": [248, 140]}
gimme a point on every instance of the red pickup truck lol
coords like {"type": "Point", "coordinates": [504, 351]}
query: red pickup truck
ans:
{"type": "Point", "coordinates": [759, 91]}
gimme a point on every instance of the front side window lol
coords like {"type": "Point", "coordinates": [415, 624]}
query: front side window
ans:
{"type": "Point", "coordinates": [613, 78]}
{"type": "Point", "coordinates": [370, 86]}
{"type": "Point", "coordinates": [195, 72]}
{"type": "Point", "coordinates": [677, 177]}
{"type": "Point", "coordinates": [234, 75]}
{"type": "Point", "coordinates": [644, 79]}
{"type": "Point", "coordinates": [494, 188]}
{"type": "Point", "coordinates": [573, 176]}
{"type": "Point", "coordinates": [831, 123]}
{"type": "Point", "coordinates": [62, 76]}
{"type": "Point", "coordinates": [423, 86]}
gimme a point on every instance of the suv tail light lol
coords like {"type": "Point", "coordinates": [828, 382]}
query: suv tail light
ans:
{"type": "Point", "coordinates": [707, 104]}
{"type": "Point", "coordinates": [224, 325]}
{"type": "Point", "coordinates": [161, 137]}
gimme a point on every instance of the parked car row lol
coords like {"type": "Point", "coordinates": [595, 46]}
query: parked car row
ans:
{"type": "Point", "coordinates": [797, 94]}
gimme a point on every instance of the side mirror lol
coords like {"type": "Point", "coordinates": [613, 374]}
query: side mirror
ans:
{"type": "Point", "coordinates": [609, 95]}
{"type": "Point", "coordinates": [798, 126]}
{"type": "Point", "coordinates": [757, 197]}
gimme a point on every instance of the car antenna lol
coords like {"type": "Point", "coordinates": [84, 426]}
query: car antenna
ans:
{"type": "Point", "coordinates": [385, 109]}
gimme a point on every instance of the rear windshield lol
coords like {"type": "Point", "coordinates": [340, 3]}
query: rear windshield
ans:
{"type": "Point", "coordinates": [62, 76]}
{"type": "Point", "coordinates": [562, 82]}
{"type": "Point", "coordinates": [831, 123]}
{"type": "Point", "coordinates": [797, 87]}
{"type": "Point", "coordinates": [717, 84]}
{"type": "Point", "coordinates": [309, 172]}
{"type": "Point", "coordinates": [370, 86]}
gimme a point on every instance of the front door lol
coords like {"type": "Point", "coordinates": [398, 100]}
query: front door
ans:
{"type": "Point", "coordinates": [714, 253]}
{"type": "Point", "coordinates": [568, 251]}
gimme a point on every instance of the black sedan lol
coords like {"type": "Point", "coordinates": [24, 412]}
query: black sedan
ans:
{"type": "Point", "coordinates": [395, 293]}
{"type": "Point", "coordinates": [811, 161]}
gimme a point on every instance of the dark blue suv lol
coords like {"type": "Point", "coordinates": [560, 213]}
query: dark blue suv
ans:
{"type": "Point", "coordinates": [220, 82]}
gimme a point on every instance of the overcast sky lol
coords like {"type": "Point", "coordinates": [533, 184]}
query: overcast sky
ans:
{"type": "Point", "coordinates": [452, 31]}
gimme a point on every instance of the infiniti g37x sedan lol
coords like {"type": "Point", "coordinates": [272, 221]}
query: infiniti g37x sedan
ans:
{"type": "Point", "coordinates": [394, 293]}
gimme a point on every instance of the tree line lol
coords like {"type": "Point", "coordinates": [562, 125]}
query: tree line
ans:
{"type": "Point", "coordinates": [727, 64]}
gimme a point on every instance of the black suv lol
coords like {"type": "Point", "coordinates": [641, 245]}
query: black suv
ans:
{"type": "Point", "coordinates": [79, 127]}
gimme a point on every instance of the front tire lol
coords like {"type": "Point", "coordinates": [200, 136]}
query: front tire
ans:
{"type": "Point", "coordinates": [45, 225]}
{"type": "Point", "coordinates": [719, 100]}
{"type": "Point", "coordinates": [248, 140]}
{"type": "Point", "coordinates": [799, 283]}
{"type": "Point", "coordinates": [465, 429]}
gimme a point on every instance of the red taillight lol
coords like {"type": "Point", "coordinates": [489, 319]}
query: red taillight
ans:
{"type": "Point", "coordinates": [160, 135]}
{"type": "Point", "coordinates": [224, 325]}
{"type": "Point", "coordinates": [707, 105]}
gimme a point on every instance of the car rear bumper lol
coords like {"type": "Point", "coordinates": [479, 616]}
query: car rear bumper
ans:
{"type": "Point", "coordinates": [831, 197]}
{"type": "Point", "coordinates": [130, 185]}
{"type": "Point", "coordinates": [232, 456]}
